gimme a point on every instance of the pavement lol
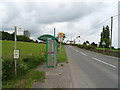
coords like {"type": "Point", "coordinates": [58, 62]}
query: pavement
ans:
{"type": "Point", "coordinates": [58, 77]}
{"type": "Point", "coordinates": [85, 69]}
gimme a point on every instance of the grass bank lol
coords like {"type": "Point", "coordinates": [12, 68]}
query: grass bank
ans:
{"type": "Point", "coordinates": [26, 49]}
{"type": "Point", "coordinates": [31, 56]}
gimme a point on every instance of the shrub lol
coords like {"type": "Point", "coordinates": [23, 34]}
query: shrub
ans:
{"type": "Point", "coordinates": [23, 66]}
{"type": "Point", "coordinates": [7, 69]}
{"type": "Point", "coordinates": [87, 47]}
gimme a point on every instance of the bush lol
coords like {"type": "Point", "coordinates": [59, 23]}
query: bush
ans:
{"type": "Point", "coordinates": [23, 66]}
{"type": "Point", "coordinates": [87, 47]}
{"type": "Point", "coordinates": [7, 69]}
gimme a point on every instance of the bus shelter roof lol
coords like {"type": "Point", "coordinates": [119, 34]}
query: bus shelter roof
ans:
{"type": "Point", "coordinates": [45, 36]}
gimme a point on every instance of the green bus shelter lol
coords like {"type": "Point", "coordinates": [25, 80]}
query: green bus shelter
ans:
{"type": "Point", "coordinates": [51, 49]}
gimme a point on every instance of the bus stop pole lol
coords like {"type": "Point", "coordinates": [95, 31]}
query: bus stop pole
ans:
{"type": "Point", "coordinates": [54, 49]}
{"type": "Point", "coordinates": [15, 38]}
{"type": "Point", "coordinates": [54, 32]}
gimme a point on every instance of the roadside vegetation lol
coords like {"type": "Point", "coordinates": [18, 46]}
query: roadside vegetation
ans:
{"type": "Point", "coordinates": [116, 50]}
{"type": "Point", "coordinates": [106, 51]}
{"type": "Point", "coordinates": [61, 55]}
{"type": "Point", "coordinates": [31, 56]}
{"type": "Point", "coordinates": [25, 81]}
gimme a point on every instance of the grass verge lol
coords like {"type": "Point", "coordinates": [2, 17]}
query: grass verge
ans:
{"type": "Point", "coordinates": [61, 55]}
{"type": "Point", "coordinates": [116, 50]}
{"type": "Point", "coordinates": [26, 81]}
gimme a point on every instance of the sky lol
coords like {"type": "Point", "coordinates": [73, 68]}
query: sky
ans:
{"type": "Point", "coordinates": [72, 17]}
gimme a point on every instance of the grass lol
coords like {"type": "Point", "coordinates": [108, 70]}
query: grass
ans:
{"type": "Point", "coordinates": [35, 76]}
{"type": "Point", "coordinates": [27, 80]}
{"type": "Point", "coordinates": [117, 50]}
{"type": "Point", "coordinates": [61, 55]}
{"type": "Point", "coordinates": [26, 49]}
{"type": "Point", "coordinates": [30, 54]}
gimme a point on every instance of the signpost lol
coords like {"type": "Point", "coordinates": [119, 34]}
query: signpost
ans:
{"type": "Point", "coordinates": [16, 54]}
{"type": "Point", "coordinates": [15, 38]}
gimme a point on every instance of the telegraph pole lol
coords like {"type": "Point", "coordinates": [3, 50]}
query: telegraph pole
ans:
{"type": "Point", "coordinates": [111, 32]}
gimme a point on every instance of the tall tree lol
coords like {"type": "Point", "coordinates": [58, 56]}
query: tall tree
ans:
{"type": "Point", "coordinates": [105, 36]}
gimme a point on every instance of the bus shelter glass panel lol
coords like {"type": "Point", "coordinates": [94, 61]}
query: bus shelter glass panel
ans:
{"type": "Point", "coordinates": [51, 52]}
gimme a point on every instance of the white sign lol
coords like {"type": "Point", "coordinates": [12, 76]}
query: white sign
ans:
{"type": "Point", "coordinates": [16, 54]}
{"type": "Point", "coordinates": [103, 43]}
{"type": "Point", "coordinates": [20, 31]}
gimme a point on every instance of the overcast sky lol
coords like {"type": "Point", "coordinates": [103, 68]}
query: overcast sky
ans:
{"type": "Point", "coordinates": [74, 18]}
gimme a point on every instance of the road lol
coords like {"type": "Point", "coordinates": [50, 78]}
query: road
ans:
{"type": "Point", "coordinates": [92, 70]}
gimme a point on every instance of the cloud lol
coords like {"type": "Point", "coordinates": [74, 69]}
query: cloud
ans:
{"type": "Point", "coordinates": [72, 18]}
{"type": "Point", "coordinates": [48, 12]}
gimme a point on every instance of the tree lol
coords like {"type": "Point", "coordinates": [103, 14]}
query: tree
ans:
{"type": "Point", "coordinates": [6, 36]}
{"type": "Point", "coordinates": [93, 44]}
{"type": "Point", "coordinates": [23, 38]}
{"type": "Point", "coordinates": [64, 37]}
{"type": "Point", "coordinates": [105, 36]}
{"type": "Point", "coordinates": [84, 43]}
{"type": "Point", "coordinates": [26, 33]}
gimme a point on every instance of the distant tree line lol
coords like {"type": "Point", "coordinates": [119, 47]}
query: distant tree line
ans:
{"type": "Point", "coordinates": [7, 36]}
{"type": "Point", "coordinates": [88, 43]}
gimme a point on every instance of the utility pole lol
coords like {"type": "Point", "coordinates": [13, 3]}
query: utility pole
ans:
{"type": "Point", "coordinates": [15, 40]}
{"type": "Point", "coordinates": [111, 32]}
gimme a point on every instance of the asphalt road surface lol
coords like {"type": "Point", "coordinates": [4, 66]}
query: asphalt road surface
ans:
{"type": "Point", "coordinates": [92, 70]}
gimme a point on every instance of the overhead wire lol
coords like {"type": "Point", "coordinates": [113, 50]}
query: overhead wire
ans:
{"type": "Point", "coordinates": [99, 24]}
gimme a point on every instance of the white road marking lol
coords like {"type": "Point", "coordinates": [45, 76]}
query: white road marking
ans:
{"type": "Point", "coordinates": [104, 62]}
{"type": "Point", "coordinates": [76, 50]}
{"type": "Point", "coordinates": [83, 53]}
{"type": "Point", "coordinates": [70, 46]}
